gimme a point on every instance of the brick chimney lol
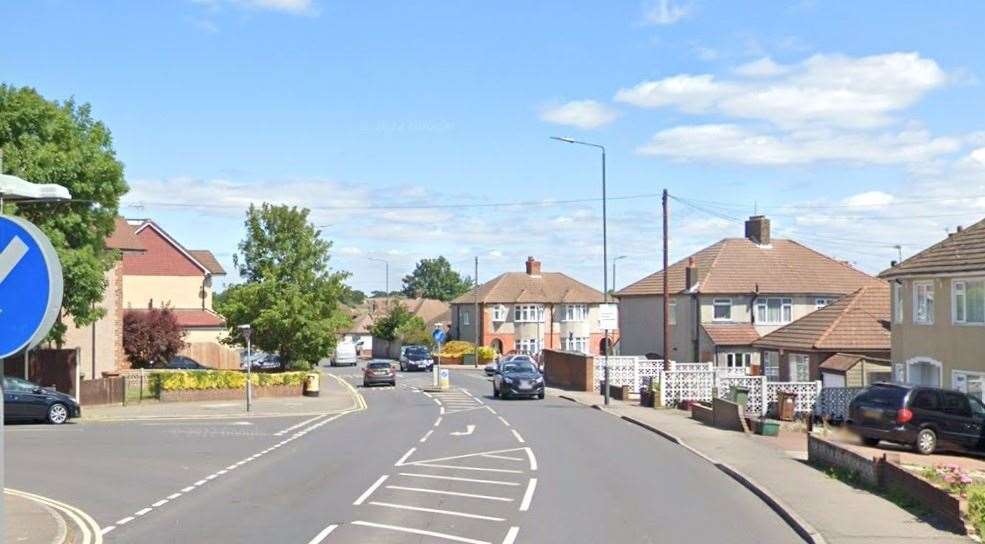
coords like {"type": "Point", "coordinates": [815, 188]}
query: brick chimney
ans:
{"type": "Point", "coordinates": [758, 230]}
{"type": "Point", "coordinates": [533, 267]}
{"type": "Point", "coordinates": [691, 273]}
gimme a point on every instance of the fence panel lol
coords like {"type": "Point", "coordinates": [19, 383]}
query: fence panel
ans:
{"type": "Point", "coordinates": [681, 385]}
{"type": "Point", "coordinates": [755, 384]}
{"type": "Point", "coordinates": [807, 393]}
{"type": "Point", "coordinates": [833, 402]}
{"type": "Point", "coordinates": [101, 391]}
{"type": "Point", "coordinates": [627, 370]}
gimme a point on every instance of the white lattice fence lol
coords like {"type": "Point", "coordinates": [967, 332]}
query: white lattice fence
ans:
{"type": "Point", "coordinates": [625, 370]}
{"type": "Point", "coordinates": [681, 385]}
{"type": "Point", "coordinates": [807, 393]}
{"type": "Point", "coordinates": [755, 384]}
{"type": "Point", "coordinates": [692, 366]}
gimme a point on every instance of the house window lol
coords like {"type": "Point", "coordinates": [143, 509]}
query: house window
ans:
{"type": "Point", "coordinates": [897, 303]}
{"type": "Point", "coordinates": [672, 310]}
{"type": "Point", "coordinates": [968, 298]}
{"type": "Point", "coordinates": [923, 303]}
{"type": "Point", "coordinates": [821, 302]}
{"type": "Point", "coordinates": [970, 382]}
{"type": "Point", "coordinates": [771, 365]}
{"type": "Point", "coordinates": [528, 313]}
{"type": "Point", "coordinates": [575, 312]}
{"type": "Point", "coordinates": [575, 343]}
{"type": "Point", "coordinates": [800, 368]}
{"type": "Point", "coordinates": [738, 360]}
{"type": "Point", "coordinates": [529, 346]}
{"type": "Point", "coordinates": [466, 320]}
{"type": "Point", "coordinates": [774, 311]}
{"type": "Point", "coordinates": [723, 309]}
{"type": "Point", "coordinates": [499, 313]}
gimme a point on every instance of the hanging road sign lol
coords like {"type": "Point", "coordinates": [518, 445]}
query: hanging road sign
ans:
{"type": "Point", "coordinates": [30, 285]}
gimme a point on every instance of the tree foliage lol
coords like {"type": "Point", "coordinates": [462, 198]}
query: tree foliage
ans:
{"type": "Point", "coordinates": [290, 297]}
{"type": "Point", "coordinates": [398, 323]}
{"type": "Point", "coordinates": [434, 278]}
{"type": "Point", "coordinates": [151, 336]}
{"type": "Point", "coordinates": [50, 142]}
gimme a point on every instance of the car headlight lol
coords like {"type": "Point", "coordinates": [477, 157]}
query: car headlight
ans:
{"type": "Point", "coordinates": [507, 379]}
{"type": "Point", "coordinates": [540, 379]}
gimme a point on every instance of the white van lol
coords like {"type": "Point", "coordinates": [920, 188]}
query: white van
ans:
{"type": "Point", "coordinates": [345, 354]}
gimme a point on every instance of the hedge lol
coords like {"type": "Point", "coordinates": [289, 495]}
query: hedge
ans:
{"type": "Point", "coordinates": [220, 379]}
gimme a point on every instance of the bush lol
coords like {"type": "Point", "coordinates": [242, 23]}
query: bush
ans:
{"type": "Point", "coordinates": [220, 379]}
{"type": "Point", "coordinates": [486, 354]}
{"type": "Point", "coordinates": [976, 508]}
{"type": "Point", "coordinates": [151, 336]}
{"type": "Point", "coordinates": [457, 348]}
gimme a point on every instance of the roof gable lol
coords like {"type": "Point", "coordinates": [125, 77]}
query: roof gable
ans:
{"type": "Point", "coordinates": [163, 255]}
{"type": "Point", "coordinates": [960, 252]}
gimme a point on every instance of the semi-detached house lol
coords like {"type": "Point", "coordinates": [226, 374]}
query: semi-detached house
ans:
{"type": "Point", "coordinates": [938, 313]}
{"type": "Point", "coordinates": [725, 297]}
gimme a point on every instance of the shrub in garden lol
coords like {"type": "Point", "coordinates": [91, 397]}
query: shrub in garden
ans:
{"type": "Point", "coordinates": [221, 379]}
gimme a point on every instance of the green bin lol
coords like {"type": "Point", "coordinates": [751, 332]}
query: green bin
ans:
{"type": "Point", "coordinates": [769, 427]}
{"type": "Point", "coordinates": [739, 395]}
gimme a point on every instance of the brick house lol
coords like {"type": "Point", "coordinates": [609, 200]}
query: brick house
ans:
{"type": "Point", "coordinates": [167, 275]}
{"type": "Point", "coordinates": [938, 313]}
{"type": "Point", "coordinates": [529, 311]}
{"type": "Point", "coordinates": [100, 344]}
{"type": "Point", "coordinates": [729, 294]}
{"type": "Point", "coordinates": [843, 344]}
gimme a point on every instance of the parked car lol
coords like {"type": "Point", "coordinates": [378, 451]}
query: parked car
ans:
{"type": "Point", "coordinates": [27, 401]}
{"type": "Point", "coordinates": [345, 354]}
{"type": "Point", "coordinates": [415, 358]}
{"type": "Point", "coordinates": [490, 369]}
{"type": "Point", "coordinates": [518, 377]}
{"type": "Point", "coordinates": [925, 418]}
{"type": "Point", "coordinates": [379, 371]}
{"type": "Point", "coordinates": [180, 362]}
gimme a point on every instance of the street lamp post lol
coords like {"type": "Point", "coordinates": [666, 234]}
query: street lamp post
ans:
{"type": "Point", "coordinates": [246, 331]}
{"type": "Point", "coordinates": [614, 270]}
{"type": "Point", "coordinates": [605, 257]}
{"type": "Point", "coordinates": [386, 263]}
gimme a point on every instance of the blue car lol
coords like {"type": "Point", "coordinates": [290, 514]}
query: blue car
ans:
{"type": "Point", "coordinates": [26, 401]}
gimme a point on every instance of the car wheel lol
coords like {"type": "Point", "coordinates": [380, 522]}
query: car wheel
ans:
{"type": "Point", "coordinates": [926, 442]}
{"type": "Point", "coordinates": [57, 413]}
{"type": "Point", "coordinates": [870, 441]}
{"type": "Point", "coordinates": [495, 392]}
{"type": "Point", "coordinates": [365, 384]}
{"type": "Point", "coordinates": [540, 395]}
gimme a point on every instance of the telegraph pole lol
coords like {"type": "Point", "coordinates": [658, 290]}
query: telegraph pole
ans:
{"type": "Point", "coordinates": [666, 286]}
{"type": "Point", "coordinates": [478, 318]}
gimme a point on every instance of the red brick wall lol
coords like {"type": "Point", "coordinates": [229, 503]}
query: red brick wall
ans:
{"type": "Point", "coordinates": [569, 370]}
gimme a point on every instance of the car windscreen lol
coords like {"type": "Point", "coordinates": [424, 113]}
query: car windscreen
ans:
{"type": "Point", "coordinates": [884, 396]}
{"type": "Point", "coordinates": [519, 367]}
{"type": "Point", "coordinates": [378, 365]}
{"type": "Point", "coordinates": [418, 353]}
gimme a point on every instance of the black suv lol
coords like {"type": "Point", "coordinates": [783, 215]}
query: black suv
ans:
{"type": "Point", "coordinates": [926, 418]}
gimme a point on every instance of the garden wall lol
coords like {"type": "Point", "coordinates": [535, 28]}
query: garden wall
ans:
{"type": "Point", "coordinates": [189, 395]}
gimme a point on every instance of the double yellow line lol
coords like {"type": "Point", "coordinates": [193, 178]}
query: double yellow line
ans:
{"type": "Point", "coordinates": [358, 402]}
{"type": "Point", "coordinates": [88, 528]}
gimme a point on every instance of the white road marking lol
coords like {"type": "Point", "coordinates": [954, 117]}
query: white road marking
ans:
{"type": "Point", "coordinates": [200, 482]}
{"type": "Point", "coordinates": [108, 529]}
{"type": "Point", "coordinates": [142, 511]}
{"type": "Point", "coordinates": [173, 496]}
{"type": "Point", "coordinates": [426, 435]}
{"type": "Point", "coordinates": [442, 410]}
{"type": "Point", "coordinates": [187, 489]}
{"type": "Point", "coordinates": [511, 535]}
{"type": "Point", "coordinates": [528, 495]}
{"type": "Point", "coordinates": [404, 458]}
{"type": "Point", "coordinates": [370, 491]}
{"type": "Point", "coordinates": [324, 533]}
{"type": "Point", "coordinates": [451, 493]}
{"type": "Point", "coordinates": [434, 534]}
{"type": "Point", "coordinates": [457, 479]}
{"type": "Point", "coordinates": [436, 401]}
{"type": "Point", "coordinates": [518, 437]}
{"type": "Point", "coordinates": [506, 457]}
{"type": "Point", "coordinates": [437, 421]}
{"type": "Point", "coordinates": [435, 511]}
{"type": "Point", "coordinates": [125, 520]}
{"type": "Point", "coordinates": [470, 468]}
{"type": "Point", "coordinates": [465, 456]}
{"type": "Point", "coordinates": [469, 429]}
{"type": "Point", "coordinates": [507, 423]}
{"type": "Point", "coordinates": [299, 425]}
{"type": "Point", "coordinates": [491, 411]}
{"type": "Point", "coordinates": [531, 458]}
{"type": "Point", "coordinates": [159, 503]}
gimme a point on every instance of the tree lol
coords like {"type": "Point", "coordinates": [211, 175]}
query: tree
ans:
{"type": "Point", "coordinates": [290, 298]}
{"type": "Point", "coordinates": [398, 323]}
{"type": "Point", "coordinates": [352, 297]}
{"type": "Point", "coordinates": [151, 336]}
{"type": "Point", "coordinates": [434, 278]}
{"type": "Point", "coordinates": [52, 142]}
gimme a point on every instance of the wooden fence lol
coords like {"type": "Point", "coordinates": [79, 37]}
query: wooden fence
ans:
{"type": "Point", "coordinates": [102, 391]}
{"type": "Point", "coordinates": [213, 355]}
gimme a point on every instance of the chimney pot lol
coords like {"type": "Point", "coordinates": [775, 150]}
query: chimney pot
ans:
{"type": "Point", "coordinates": [533, 267]}
{"type": "Point", "coordinates": [691, 273]}
{"type": "Point", "coordinates": [892, 264]}
{"type": "Point", "coordinates": [960, 228]}
{"type": "Point", "coordinates": [758, 230]}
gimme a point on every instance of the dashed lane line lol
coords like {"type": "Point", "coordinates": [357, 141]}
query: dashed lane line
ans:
{"type": "Point", "coordinates": [426, 435]}
{"type": "Point", "coordinates": [518, 437]}
{"type": "Point", "coordinates": [323, 534]}
{"type": "Point", "coordinates": [362, 498]}
{"type": "Point", "coordinates": [422, 532]}
{"type": "Point", "coordinates": [507, 423]}
{"type": "Point", "coordinates": [404, 458]}
{"type": "Point", "coordinates": [511, 535]}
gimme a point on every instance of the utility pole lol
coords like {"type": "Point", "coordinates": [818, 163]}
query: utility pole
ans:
{"type": "Point", "coordinates": [666, 286]}
{"type": "Point", "coordinates": [478, 318]}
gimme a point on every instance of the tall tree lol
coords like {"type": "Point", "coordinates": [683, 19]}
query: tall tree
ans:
{"type": "Point", "coordinates": [51, 142]}
{"type": "Point", "coordinates": [290, 297]}
{"type": "Point", "coordinates": [434, 278]}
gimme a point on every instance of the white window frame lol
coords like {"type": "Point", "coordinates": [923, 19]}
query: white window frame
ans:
{"type": "Point", "coordinates": [959, 288]}
{"type": "Point", "coordinates": [672, 310]}
{"type": "Point", "coordinates": [715, 303]}
{"type": "Point", "coordinates": [575, 312]}
{"type": "Point", "coordinates": [771, 371]}
{"type": "Point", "coordinates": [794, 362]}
{"type": "Point", "coordinates": [821, 302]}
{"type": "Point", "coordinates": [928, 289]}
{"type": "Point", "coordinates": [575, 343]}
{"type": "Point", "coordinates": [738, 359]}
{"type": "Point", "coordinates": [466, 318]}
{"type": "Point", "coordinates": [528, 313]}
{"type": "Point", "coordinates": [928, 360]}
{"type": "Point", "coordinates": [897, 303]}
{"type": "Point", "coordinates": [499, 313]}
{"type": "Point", "coordinates": [968, 376]}
{"type": "Point", "coordinates": [786, 311]}
{"type": "Point", "coordinates": [528, 345]}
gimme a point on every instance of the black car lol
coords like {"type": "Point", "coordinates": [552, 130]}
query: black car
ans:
{"type": "Point", "coordinates": [180, 362]}
{"type": "Point", "coordinates": [416, 358]}
{"type": "Point", "coordinates": [26, 401]}
{"type": "Point", "coordinates": [518, 378]}
{"type": "Point", "coordinates": [926, 418]}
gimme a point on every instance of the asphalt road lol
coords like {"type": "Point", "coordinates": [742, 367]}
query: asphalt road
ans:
{"type": "Point", "coordinates": [413, 467]}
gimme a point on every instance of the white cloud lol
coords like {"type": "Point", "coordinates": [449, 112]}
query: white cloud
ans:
{"type": "Point", "coordinates": [827, 90]}
{"type": "Point", "coordinates": [869, 199]}
{"type": "Point", "coordinates": [585, 114]}
{"type": "Point", "coordinates": [665, 12]}
{"type": "Point", "coordinates": [733, 143]}
{"type": "Point", "coordinates": [294, 7]}
{"type": "Point", "coordinates": [978, 155]}
{"type": "Point", "coordinates": [764, 67]}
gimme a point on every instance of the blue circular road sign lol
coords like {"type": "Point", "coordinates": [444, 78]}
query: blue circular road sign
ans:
{"type": "Point", "coordinates": [30, 285]}
{"type": "Point", "coordinates": [438, 335]}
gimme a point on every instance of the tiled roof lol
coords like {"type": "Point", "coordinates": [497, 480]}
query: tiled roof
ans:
{"type": "Point", "coordinates": [844, 362]}
{"type": "Point", "coordinates": [164, 256]}
{"type": "Point", "coordinates": [731, 334]}
{"type": "Point", "coordinates": [190, 318]}
{"type": "Point", "coordinates": [208, 260]}
{"type": "Point", "coordinates": [960, 252]}
{"type": "Point", "coordinates": [123, 237]}
{"type": "Point", "coordinates": [430, 310]}
{"type": "Point", "coordinates": [737, 265]}
{"type": "Point", "coordinates": [547, 287]}
{"type": "Point", "coordinates": [856, 322]}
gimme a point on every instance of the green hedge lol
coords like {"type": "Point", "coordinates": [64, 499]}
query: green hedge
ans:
{"type": "Point", "coordinates": [220, 379]}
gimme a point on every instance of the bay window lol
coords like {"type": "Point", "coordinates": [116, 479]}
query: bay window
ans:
{"type": "Point", "coordinates": [923, 302]}
{"type": "Point", "coordinates": [575, 312]}
{"type": "Point", "coordinates": [968, 301]}
{"type": "Point", "coordinates": [774, 311]}
{"type": "Point", "coordinates": [575, 343]}
{"type": "Point", "coordinates": [528, 313]}
{"type": "Point", "coordinates": [529, 346]}
{"type": "Point", "coordinates": [498, 313]}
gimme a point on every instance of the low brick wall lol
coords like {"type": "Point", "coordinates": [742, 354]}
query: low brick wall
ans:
{"type": "Point", "coordinates": [828, 454]}
{"type": "Point", "coordinates": [703, 413]}
{"type": "Point", "coordinates": [573, 371]}
{"type": "Point", "coordinates": [231, 394]}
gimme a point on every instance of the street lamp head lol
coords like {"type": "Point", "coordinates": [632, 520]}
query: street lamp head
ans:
{"type": "Point", "coordinates": [563, 139]}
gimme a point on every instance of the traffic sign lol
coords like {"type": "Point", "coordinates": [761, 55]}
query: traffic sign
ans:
{"type": "Point", "coordinates": [30, 285]}
{"type": "Point", "coordinates": [438, 335]}
{"type": "Point", "coordinates": [608, 317]}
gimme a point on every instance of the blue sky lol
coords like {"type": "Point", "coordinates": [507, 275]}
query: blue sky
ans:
{"type": "Point", "coordinates": [855, 126]}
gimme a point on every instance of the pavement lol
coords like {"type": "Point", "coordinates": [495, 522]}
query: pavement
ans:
{"type": "Point", "coordinates": [407, 466]}
{"type": "Point", "coordinates": [821, 508]}
{"type": "Point", "coordinates": [34, 519]}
